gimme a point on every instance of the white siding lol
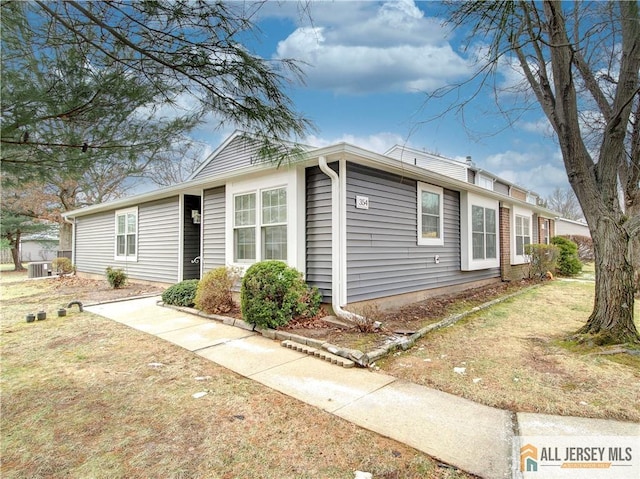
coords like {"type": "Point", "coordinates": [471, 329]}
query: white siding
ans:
{"type": "Point", "coordinates": [444, 166]}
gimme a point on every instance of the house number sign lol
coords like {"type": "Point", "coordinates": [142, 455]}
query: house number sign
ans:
{"type": "Point", "coordinates": [362, 202]}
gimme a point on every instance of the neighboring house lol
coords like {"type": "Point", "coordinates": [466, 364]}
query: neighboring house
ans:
{"type": "Point", "coordinates": [360, 225]}
{"type": "Point", "coordinates": [565, 227]}
{"type": "Point", "coordinates": [38, 248]}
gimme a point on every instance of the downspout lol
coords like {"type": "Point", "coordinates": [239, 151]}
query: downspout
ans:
{"type": "Point", "coordinates": [338, 249]}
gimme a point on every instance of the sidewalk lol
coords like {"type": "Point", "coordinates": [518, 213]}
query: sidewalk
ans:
{"type": "Point", "coordinates": [475, 438]}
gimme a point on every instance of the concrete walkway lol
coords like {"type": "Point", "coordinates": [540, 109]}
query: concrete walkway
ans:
{"type": "Point", "coordinates": [475, 438]}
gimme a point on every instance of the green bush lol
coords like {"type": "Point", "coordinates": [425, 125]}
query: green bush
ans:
{"type": "Point", "coordinates": [568, 262]}
{"type": "Point", "coordinates": [273, 294]}
{"type": "Point", "coordinates": [181, 294]}
{"type": "Point", "coordinates": [542, 258]}
{"type": "Point", "coordinates": [117, 278]}
{"type": "Point", "coordinates": [214, 294]}
{"type": "Point", "coordinates": [62, 265]}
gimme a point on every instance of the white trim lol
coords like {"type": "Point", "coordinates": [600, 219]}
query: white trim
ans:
{"type": "Point", "coordinates": [125, 211]}
{"type": "Point", "coordinates": [527, 214]}
{"type": "Point", "coordinates": [342, 216]}
{"type": "Point", "coordinates": [480, 178]}
{"type": "Point", "coordinates": [181, 204]}
{"type": "Point", "coordinates": [437, 190]}
{"type": "Point", "coordinates": [288, 179]}
{"type": "Point", "coordinates": [467, 201]}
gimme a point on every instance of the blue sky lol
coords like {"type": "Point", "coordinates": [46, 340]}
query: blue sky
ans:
{"type": "Point", "coordinates": [369, 66]}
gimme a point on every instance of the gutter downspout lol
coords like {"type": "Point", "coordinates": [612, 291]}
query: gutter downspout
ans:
{"type": "Point", "coordinates": [338, 249]}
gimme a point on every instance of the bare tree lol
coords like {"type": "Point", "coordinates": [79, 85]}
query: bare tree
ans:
{"type": "Point", "coordinates": [582, 59]}
{"type": "Point", "coordinates": [177, 165]}
{"type": "Point", "coordinates": [564, 201]}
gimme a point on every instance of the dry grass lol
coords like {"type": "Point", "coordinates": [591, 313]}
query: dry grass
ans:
{"type": "Point", "coordinates": [516, 358]}
{"type": "Point", "coordinates": [82, 398]}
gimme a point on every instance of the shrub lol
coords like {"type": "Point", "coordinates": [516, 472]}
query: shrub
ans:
{"type": "Point", "coordinates": [585, 247]}
{"type": "Point", "coordinates": [273, 293]}
{"type": "Point", "coordinates": [542, 258]}
{"type": "Point", "coordinates": [568, 262]}
{"type": "Point", "coordinates": [117, 278]}
{"type": "Point", "coordinates": [181, 294]}
{"type": "Point", "coordinates": [214, 290]}
{"type": "Point", "coordinates": [62, 265]}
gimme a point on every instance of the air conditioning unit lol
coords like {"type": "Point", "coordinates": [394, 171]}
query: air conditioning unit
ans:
{"type": "Point", "coordinates": [39, 270]}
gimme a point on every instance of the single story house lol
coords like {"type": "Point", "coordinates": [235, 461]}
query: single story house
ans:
{"type": "Point", "coordinates": [360, 225]}
{"type": "Point", "coordinates": [565, 227]}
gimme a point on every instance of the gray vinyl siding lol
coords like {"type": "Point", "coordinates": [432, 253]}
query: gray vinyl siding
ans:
{"type": "Point", "coordinates": [95, 242]}
{"type": "Point", "coordinates": [191, 238]}
{"type": "Point", "coordinates": [383, 257]}
{"type": "Point", "coordinates": [240, 152]}
{"type": "Point", "coordinates": [318, 230]}
{"type": "Point", "coordinates": [499, 187]}
{"type": "Point", "coordinates": [158, 243]}
{"type": "Point", "coordinates": [471, 177]}
{"type": "Point", "coordinates": [213, 229]}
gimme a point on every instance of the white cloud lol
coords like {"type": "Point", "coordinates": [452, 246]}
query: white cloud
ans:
{"type": "Point", "coordinates": [538, 170]}
{"type": "Point", "coordinates": [393, 47]}
{"type": "Point", "coordinates": [377, 142]}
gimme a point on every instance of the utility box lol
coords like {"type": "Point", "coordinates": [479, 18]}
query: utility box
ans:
{"type": "Point", "coordinates": [39, 270]}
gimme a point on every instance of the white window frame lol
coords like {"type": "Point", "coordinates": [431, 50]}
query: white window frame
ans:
{"type": "Point", "coordinates": [467, 202]}
{"type": "Point", "coordinates": [485, 182]}
{"type": "Point", "coordinates": [438, 241]}
{"type": "Point", "coordinates": [119, 213]}
{"type": "Point", "coordinates": [294, 181]}
{"type": "Point", "coordinates": [486, 213]}
{"type": "Point", "coordinates": [525, 214]}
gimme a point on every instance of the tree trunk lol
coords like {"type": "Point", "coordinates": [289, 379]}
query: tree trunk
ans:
{"type": "Point", "coordinates": [15, 252]}
{"type": "Point", "coordinates": [66, 234]}
{"type": "Point", "coordinates": [612, 318]}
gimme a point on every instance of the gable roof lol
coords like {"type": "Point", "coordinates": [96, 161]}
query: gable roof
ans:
{"type": "Point", "coordinates": [333, 152]}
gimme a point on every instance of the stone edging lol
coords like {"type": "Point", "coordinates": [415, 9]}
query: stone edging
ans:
{"type": "Point", "coordinates": [360, 358]}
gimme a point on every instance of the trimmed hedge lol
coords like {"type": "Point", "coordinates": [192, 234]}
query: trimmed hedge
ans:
{"type": "Point", "coordinates": [181, 294]}
{"type": "Point", "coordinates": [273, 293]}
{"type": "Point", "coordinates": [568, 262]}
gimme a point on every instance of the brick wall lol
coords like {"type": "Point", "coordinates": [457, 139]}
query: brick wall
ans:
{"type": "Point", "coordinates": [508, 271]}
{"type": "Point", "coordinates": [505, 243]}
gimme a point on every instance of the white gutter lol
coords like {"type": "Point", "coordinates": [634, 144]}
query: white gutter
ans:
{"type": "Point", "coordinates": [338, 247]}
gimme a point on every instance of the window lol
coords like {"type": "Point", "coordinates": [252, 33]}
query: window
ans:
{"type": "Point", "coordinates": [523, 233]}
{"type": "Point", "coordinates": [483, 233]}
{"type": "Point", "coordinates": [484, 182]}
{"type": "Point", "coordinates": [244, 228]}
{"type": "Point", "coordinates": [271, 224]}
{"type": "Point", "coordinates": [430, 215]}
{"type": "Point", "coordinates": [127, 235]}
{"type": "Point", "coordinates": [274, 224]}
{"type": "Point", "coordinates": [479, 243]}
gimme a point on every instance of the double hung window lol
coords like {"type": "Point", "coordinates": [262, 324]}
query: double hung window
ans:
{"type": "Point", "coordinates": [430, 215]}
{"type": "Point", "coordinates": [523, 233]}
{"type": "Point", "coordinates": [260, 225]}
{"type": "Point", "coordinates": [126, 235]}
{"type": "Point", "coordinates": [483, 233]}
